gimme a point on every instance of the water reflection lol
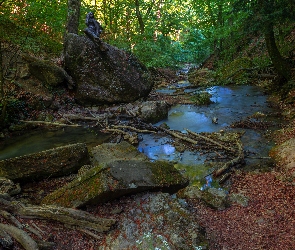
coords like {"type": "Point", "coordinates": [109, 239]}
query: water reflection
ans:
{"type": "Point", "coordinates": [43, 140]}
{"type": "Point", "coordinates": [164, 152]}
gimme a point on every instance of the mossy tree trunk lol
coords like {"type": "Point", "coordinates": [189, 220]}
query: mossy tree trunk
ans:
{"type": "Point", "coordinates": [278, 61]}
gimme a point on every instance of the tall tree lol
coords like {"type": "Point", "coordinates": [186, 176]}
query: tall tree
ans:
{"type": "Point", "coordinates": [73, 18]}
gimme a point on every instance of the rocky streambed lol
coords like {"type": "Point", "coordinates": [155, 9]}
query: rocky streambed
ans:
{"type": "Point", "coordinates": [139, 199]}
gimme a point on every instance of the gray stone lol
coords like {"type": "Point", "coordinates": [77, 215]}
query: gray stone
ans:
{"type": "Point", "coordinates": [108, 152]}
{"type": "Point", "coordinates": [154, 227]}
{"type": "Point", "coordinates": [154, 111]}
{"type": "Point", "coordinates": [239, 199]}
{"type": "Point", "coordinates": [109, 76]}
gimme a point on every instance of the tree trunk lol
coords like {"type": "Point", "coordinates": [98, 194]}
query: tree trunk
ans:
{"type": "Point", "coordinates": [278, 61]}
{"type": "Point", "coordinates": [73, 16]}
{"type": "Point", "coordinates": [3, 101]}
{"type": "Point", "coordinates": [139, 17]}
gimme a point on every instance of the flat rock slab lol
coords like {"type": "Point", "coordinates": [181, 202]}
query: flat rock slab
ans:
{"type": "Point", "coordinates": [116, 179]}
{"type": "Point", "coordinates": [109, 152]}
{"type": "Point", "coordinates": [54, 162]}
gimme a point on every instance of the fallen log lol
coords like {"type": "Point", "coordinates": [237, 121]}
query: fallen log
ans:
{"type": "Point", "coordinates": [134, 129]}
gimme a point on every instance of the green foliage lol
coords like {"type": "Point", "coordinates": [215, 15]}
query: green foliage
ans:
{"type": "Point", "coordinates": [235, 71]}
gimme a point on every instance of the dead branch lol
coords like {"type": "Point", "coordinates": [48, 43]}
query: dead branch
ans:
{"type": "Point", "coordinates": [52, 123]}
{"type": "Point", "coordinates": [232, 162]}
{"type": "Point", "coordinates": [177, 135]}
{"type": "Point", "coordinates": [210, 140]}
{"type": "Point", "coordinates": [87, 118]}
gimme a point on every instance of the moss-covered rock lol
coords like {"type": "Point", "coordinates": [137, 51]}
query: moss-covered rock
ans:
{"type": "Point", "coordinates": [116, 179]}
{"type": "Point", "coordinates": [201, 77]}
{"type": "Point", "coordinates": [47, 72]}
{"type": "Point", "coordinates": [284, 156]}
{"type": "Point", "coordinates": [50, 163]}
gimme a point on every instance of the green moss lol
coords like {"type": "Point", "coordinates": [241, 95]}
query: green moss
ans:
{"type": "Point", "coordinates": [201, 98]}
{"type": "Point", "coordinates": [165, 173]}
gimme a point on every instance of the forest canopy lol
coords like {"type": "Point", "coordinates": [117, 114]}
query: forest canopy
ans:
{"type": "Point", "coordinates": [161, 33]}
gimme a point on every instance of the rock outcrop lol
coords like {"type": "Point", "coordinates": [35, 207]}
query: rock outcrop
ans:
{"type": "Point", "coordinates": [104, 76]}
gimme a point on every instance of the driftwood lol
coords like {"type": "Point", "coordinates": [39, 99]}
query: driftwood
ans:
{"type": "Point", "coordinates": [78, 219]}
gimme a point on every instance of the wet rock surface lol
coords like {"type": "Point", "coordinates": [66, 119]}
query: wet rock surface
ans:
{"type": "Point", "coordinates": [108, 152]}
{"type": "Point", "coordinates": [152, 111]}
{"type": "Point", "coordinates": [109, 76]}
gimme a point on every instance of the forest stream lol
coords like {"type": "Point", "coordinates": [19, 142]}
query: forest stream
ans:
{"type": "Point", "coordinates": [230, 105]}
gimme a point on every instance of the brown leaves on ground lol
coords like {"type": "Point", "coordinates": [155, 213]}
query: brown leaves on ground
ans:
{"type": "Point", "coordinates": [268, 222]}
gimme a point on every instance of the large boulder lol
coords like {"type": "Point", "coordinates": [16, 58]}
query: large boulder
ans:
{"type": "Point", "coordinates": [116, 179]}
{"type": "Point", "coordinates": [104, 76]}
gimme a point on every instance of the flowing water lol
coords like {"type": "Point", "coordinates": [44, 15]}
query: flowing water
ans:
{"type": "Point", "coordinates": [229, 104]}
